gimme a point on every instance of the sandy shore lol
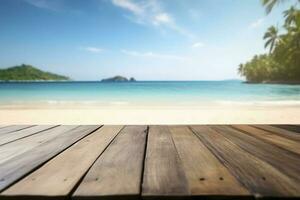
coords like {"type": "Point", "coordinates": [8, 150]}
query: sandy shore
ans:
{"type": "Point", "coordinates": [225, 114]}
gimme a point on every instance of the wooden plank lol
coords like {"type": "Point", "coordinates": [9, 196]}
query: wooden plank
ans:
{"type": "Point", "coordinates": [282, 142]}
{"type": "Point", "coordinates": [9, 129]}
{"type": "Point", "coordinates": [118, 171]}
{"type": "Point", "coordinates": [261, 178]}
{"type": "Point", "coordinates": [3, 126]}
{"type": "Point", "coordinates": [294, 128]}
{"type": "Point", "coordinates": [206, 176]}
{"type": "Point", "coordinates": [265, 151]}
{"type": "Point", "coordinates": [18, 147]}
{"type": "Point", "coordinates": [7, 138]}
{"type": "Point", "coordinates": [58, 177]}
{"type": "Point", "coordinates": [19, 166]}
{"type": "Point", "coordinates": [281, 132]}
{"type": "Point", "coordinates": [163, 172]}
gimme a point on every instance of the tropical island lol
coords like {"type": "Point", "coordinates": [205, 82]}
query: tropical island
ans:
{"type": "Point", "coordinates": [29, 73]}
{"type": "Point", "coordinates": [118, 79]}
{"type": "Point", "coordinates": [282, 63]}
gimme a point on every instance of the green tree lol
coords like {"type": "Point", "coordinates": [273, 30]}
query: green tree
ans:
{"type": "Point", "coordinates": [272, 38]}
{"type": "Point", "coordinates": [241, 70]}
{"type": "Point", "coordinates": [269, 4]}
{"type": "Point", "coordinates": [282, 63]}
{"type": "Point", "coordinates": [27, 73]}
{"type": "Point", "coordinates": [291, 16]}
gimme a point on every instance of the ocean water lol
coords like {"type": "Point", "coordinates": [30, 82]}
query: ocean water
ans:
{"type": "Point", "coordinates": [148, 92]}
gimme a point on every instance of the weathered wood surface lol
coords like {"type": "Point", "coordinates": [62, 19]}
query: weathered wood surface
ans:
{"type": "Point", "coordinates": [205, 174]}
{"type": "Point", "coordinates": [280, 141]}
{"type": "Point", "coordinates": [118, 171]}
{"type": "Point", "coordinates": [294, 128]}
{"type": "Point", "coordinates": [163, 173]}
{"type": "Point", "coordinates": [149, 162]}
{"type": "Point", "coordinates": [2, 126]}
{"type": "Point", "coordinates": [261, 178]}
{"type": "Point", "coordinates": [6, 138]}
{"type": "Point", "coordinates": [282, 132]}
{"type": "Point", "coordinates": [59, 176]}
{"type": "Point", "coordinates": [12, 150]}
{"type": "Point", "coordinates": [22, 164]}
{"type": "Point", "coordinates": [263, 150]}
{"type": "Point", "coordinates": [10, 129]}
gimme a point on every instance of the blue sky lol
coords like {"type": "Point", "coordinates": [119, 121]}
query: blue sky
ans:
{"type": "Point", "coordinates": [146, 39]}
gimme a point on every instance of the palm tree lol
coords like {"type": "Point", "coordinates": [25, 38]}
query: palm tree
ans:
{"type": "Point", "coordinates": [291, 15]}
{"type": "Point", "coordinates": [269, 4]}
{"type": "Point", "coordinates": [241, 69]}
{"type": "Point", "coordinates": [272, 38]}
{"type": "Point", "coordinates": [283, 60]}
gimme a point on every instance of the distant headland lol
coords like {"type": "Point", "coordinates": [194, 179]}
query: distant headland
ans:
{"type": "Point", "coordinates": [118, 79]}
{"type": "Point", "coordinates": [29, 73]}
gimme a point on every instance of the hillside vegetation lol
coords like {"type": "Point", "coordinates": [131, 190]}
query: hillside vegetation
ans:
{"type": "Point", "coordinates": [28, 73]}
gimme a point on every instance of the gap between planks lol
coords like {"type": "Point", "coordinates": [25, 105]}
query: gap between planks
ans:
{"type": "Point", "coordinates": [59, 176]}
{"type": "Point", "coordinates": [179, 150]}
{"type": "Point", "coordinates": [23, 164]}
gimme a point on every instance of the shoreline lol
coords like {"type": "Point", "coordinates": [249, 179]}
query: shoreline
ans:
{"type": "Point", "coordinates": [274, 82]}
{"type": "Point", "coordinates": [137, 81]}
{"type": "Point", "coordinates": [226, 114]}
{"type": "Point", "coordinates": [170, 103]}
{"type": "Point", "coordinates": [129, 104]}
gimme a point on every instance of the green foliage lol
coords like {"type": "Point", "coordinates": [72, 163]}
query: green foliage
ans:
{"type": "Point", "coordinates": [118, 79]}
{"type": "Point", "coordinates": [27, 73]}
{"type": "Point", "coordinates": [261, 68]}
{"type": "Point", "coordinates": [269, 4]}
{"type": "Point", "coordinates": [282, 64]}
{"type": "Point", "coordinates": [272, 38]}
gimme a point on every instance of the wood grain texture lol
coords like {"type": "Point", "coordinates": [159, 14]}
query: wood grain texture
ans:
{"type": "Point", "coordinates": [19, 147]}
{"type": "Point", "coordinates": [6, 138]}
{"type": "Point", "coordinates": [9, 129]}
{"type": "Point", "coordinates": [163, 173]}
{"type": "Point", "coordinates": [3, 126]}
{"type": "Point", "coordinates": [258, 176]}
{"type": "Point", "coordinates": [84, 162]}
{"type": "Point", "coordinates": [294, 128]}
{"type": "Point", "coordinates": [118, 171]}
{"type": "Point", "coordinates": [281, 132]}
{"type": "Point", "coordinates": [21, 165]}
{"type": "Point", "coordinates": [205, 174]}
{"type": "Point", "coordinates": [282, 142]}
{"type": "Point", "coordinates": [265, 151]}
{"type": "Point", "coordinates": [59, 176]}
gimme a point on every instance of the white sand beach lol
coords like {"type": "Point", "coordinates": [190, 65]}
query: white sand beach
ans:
{"type": "Point", "coordinates": [222, 114]}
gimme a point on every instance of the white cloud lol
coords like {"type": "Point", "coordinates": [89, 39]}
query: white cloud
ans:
{"type": "Point", "coordinates": [162, 18]}
{"type": "Point", "coordinates": [150, 12]}
{"type": "Point", "coordinates": [93, 49]}
{"type": "Point", "coordinates": [153, 55]}
{"type": "Point", "coordinates": [257, 23]}
{"type": "Point", "coordinates": [128, 5]}
{"type": "Point", "coordinates": [197, 44]}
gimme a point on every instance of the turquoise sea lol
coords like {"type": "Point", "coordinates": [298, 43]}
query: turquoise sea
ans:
{"type": "Point", "coordinates": [131, 93]}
